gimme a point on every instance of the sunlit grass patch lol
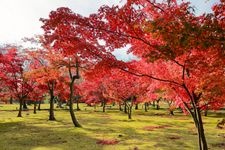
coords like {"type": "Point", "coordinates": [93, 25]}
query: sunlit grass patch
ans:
{"type": "Point", "coordinates": [35, 132]}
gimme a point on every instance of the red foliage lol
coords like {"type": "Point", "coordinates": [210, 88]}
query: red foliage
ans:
{"type": "Point", "coordinates": [13, 74]}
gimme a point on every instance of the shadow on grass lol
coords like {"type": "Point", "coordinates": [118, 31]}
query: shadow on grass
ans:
{"type": "Point", "coordinates": [220, 114]}
{"type": "Point", "coordinates": [165, 139]}
{"type": "Point", "coordinates": [36, 132]}
{"type": "Point", "coordinates": [17, 135]}
{"type": "Point", "coordinates": [176, 135]}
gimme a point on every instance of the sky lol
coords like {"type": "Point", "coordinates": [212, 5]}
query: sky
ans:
{"type": "Point", "coordinates": [20, 18]}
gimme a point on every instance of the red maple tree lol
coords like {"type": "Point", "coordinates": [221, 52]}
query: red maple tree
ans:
{"type": "Point", "coordinates": [13, 69]}
{"type": "Point", "coordinates": [169, 34]}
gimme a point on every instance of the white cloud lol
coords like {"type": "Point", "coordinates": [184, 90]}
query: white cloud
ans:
{"type": "Point", "coordinates": [20, 18]}
{"type": "Point", "coordinates": [121, 54]}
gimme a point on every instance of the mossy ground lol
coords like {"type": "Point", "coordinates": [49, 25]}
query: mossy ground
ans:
{"type": "Point", "coordinates": [152, 130]}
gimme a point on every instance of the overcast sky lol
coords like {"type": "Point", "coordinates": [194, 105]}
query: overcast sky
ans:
{"type": "Point", "coordinates": [20, 18]}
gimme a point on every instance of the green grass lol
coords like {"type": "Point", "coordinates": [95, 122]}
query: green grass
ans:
{"type": "Point", "coordinates": [35, 132]}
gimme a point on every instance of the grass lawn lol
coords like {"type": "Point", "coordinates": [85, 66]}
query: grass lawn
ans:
{"type": "Point", "coordinates": [153, 130]}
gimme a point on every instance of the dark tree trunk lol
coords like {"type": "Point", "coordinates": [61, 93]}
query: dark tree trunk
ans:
{"type": "Point", "coordinates": [11, 100]}
{"type": "Point", "coordinates": [196, 115]}
{"type": "Point", "coordinates": [51, 110]}
{"type": "Point", "coordinates": [199, 125]}
{"type": "Point", "coordinates": [170, 107]}
{"type": "Point", "coordinates": [201, 130]}
{"type": "Point", "coordinates": [171, 112]}
{"type": "Point", "coordinates": [125, 107]}
{"type": "Point", "coordinates": [71, 98]}
{"type": "Point", "coordinates": [20, 108]}
{"type": "Point", "coordinates": [59, 103]}
{"type": "Point", "coordinates": [153, 103]}
{"type": "Point", "coordinates": [68, 103]}
{"type": "Point", "coordinates": [35, 107]}
{"type": "Point", "coordinates": [136, 106]}
{"type": "Point", "coordinates": [198, 122]}
{"type": "Point", "coordinates": [120, 107]}
{"type": "Point", "coordinates": [39, 105]}
{"type": "Point", "coordinates": [103, 105]}
{"type": "Point", "coordinates": [51, 101]}
{"type": "Point", "coordinates": [72, 114]}
{"type": "Point", "coordinates": [77, 100]}
{"type": "Point", "coordinates": [146, 107]}
{"type": "Point", "coordinates": [129, 112]}
{"type": "Point", "coordinates": [25, 105]}
{"type": "Point", "coordinates": [157, 104]}
{"type": "Point", "coordinates": [206, 111]}
{"type": "Point", "coordinates": [129, 107]}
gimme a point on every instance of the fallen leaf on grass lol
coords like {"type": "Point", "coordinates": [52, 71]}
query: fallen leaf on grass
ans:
{"type": "Point", "coordinates": [151, 128]}
{"type": "Point", "coordinates": [174, 137]}
{"type": "Point", "coordinates": [107, 142]}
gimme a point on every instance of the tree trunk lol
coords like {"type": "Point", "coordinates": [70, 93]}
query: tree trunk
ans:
{"type": "Point", "coordinates": [146, 107]}
{"type": "Point", "coordinates": [199, 124]}
{"type": "Point", "coordinates": [171, 112]}
{"type": "Point", "coordinates": [103, 105]}
{"type": "Point", "coordinates": [72, 114]}
{"type": "Point", "coordinates": [51, 110]}
{"type": "Point", "coordinates": [120, 108]}
{"type": "Point", "coordinates": [129, 110]}
{"type": "Point", "coordinates": [136, 106]}
{"type": "Point", "coordinates": [157, 105]}
{"type": "Point", "coordinates": [201, 131]}
{"type": "Point", "coordinates": [125, 107]}
{"type": "Point", "coordinates": [129, 113]}
{"type": "Point", "coordinates": [129, 107]}
{"type": "Point", "coordinates": [25, 105]}
{"type": "Point", "coordinates": [78, 108]}
{"type": "Point", "coordinates": [39, 105]}
{"type": "Point", "coordinates": [73, 117]}
{"type": "Point", "coordinates": [153, 103]}
{"type": "Point", "coordinates": [59, 103]}
{"type": "Point", "coordinates": [35, 106]}
{"type": "Point", "coordinates": [196, 115]}
{"type": "Point", "coordinates": [206, 111]}
{"type": "Point", "coordinates": [11, 100]}
{"type": "Point", "coordinates": [20, 108]}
